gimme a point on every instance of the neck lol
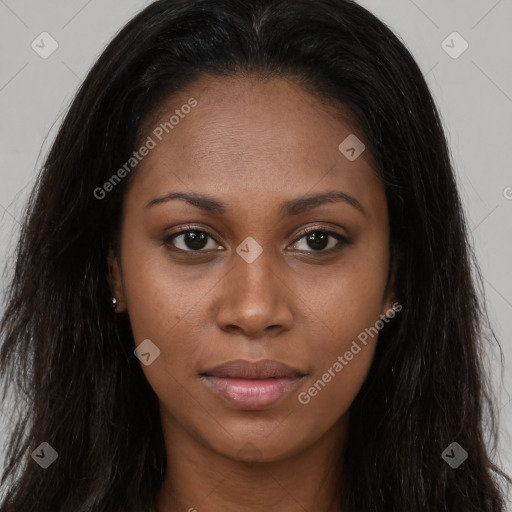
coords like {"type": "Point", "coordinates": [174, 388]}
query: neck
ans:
{"type": "Point", "coordinates": [201, 479]}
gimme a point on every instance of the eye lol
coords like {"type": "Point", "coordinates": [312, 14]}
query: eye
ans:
{"type": "Point", "coordinates": [191, 240]}
{"type": "Point", "coordinates": [319, 240]}
{"type": "Point", "coordinates": [312, 240]}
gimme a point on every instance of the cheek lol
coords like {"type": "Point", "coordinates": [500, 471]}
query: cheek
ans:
{"type": "Point", "coordinates": [340, 370]}
{"type": "Point", "coordinates": [345, 299]}
{"type": "Point", "coordinates": [349, 307]}
{"type": "Point", "coordinates": [328, 396]}
{"type": "Point", "coordinates": [160, 295]}
{"type": "Point", "coordinates": [166, 306]}
{"type": "Point", "coordinates": [342, 359]}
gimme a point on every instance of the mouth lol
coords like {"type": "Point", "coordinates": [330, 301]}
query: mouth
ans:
{"type": "Point", "coordinates": [247, 385]}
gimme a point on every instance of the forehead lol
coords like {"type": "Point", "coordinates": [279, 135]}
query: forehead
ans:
{"type": "Point", "coordinates": [252, 138]}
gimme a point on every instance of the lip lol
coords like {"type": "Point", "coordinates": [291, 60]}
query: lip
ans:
{"type": "Point", "coordinates": [252, 385]}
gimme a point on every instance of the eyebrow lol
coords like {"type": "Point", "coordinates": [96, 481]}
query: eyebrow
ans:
{"type": "Point", "coordinates": [290, 207]}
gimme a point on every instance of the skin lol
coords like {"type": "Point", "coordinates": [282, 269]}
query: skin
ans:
{"type": "Point", "coordinates": [253, 145]}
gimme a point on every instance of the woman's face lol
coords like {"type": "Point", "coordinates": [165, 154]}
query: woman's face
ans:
{"type": "Point", "coordinates": [229, 275]}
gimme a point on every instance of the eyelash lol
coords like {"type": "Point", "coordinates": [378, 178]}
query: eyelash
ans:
{"type": "Point", "coordinates": [342, 240]}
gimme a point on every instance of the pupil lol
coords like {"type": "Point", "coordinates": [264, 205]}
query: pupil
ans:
{"type": "Point", "coordinates": [317, 240]}
{"type": "Point", "coordinates": [195, 239]}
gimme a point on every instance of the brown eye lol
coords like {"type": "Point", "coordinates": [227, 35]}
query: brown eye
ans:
{"type": "Point", "coordinates": [317, 240]}
{"type": "Point", "coordinates": [191, 240]}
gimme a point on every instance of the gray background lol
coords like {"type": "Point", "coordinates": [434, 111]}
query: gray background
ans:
{"type": "Point", "coordinates": [473, 91]}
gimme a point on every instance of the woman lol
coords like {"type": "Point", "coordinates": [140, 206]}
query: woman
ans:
{"type": "Point", "coordinates": [244, 279]}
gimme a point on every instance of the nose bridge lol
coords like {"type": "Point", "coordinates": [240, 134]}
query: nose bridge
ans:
{"type": "Point", "coordinates": [254, 298]}
{"type": "Point", "coordinates": [254, 262]}
{"type": "Point", "coordinates": [256, 277]}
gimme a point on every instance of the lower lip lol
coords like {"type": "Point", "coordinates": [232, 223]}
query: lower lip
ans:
{"type": "Point", "coordinates": [251, 394]}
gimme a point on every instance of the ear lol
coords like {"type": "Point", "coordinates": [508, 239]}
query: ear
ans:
{"type": "Point", "coordinates": [115, 281]}
{"type": "Point", "coordinates": [390, 303]}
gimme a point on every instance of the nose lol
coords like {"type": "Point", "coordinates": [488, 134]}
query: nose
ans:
{"type": "Point", "coordinates": [254, 299]}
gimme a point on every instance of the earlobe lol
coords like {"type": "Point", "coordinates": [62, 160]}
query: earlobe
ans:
{"type": "Point", "coordinates": [392, 308]}
{"type": "Point", "coordinates": [115, 281]}
{"type": "Point", "coordinates": [391, 304]}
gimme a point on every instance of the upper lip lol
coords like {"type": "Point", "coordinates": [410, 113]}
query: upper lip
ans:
{"type": "Point", "coordinates": [243, 369]}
